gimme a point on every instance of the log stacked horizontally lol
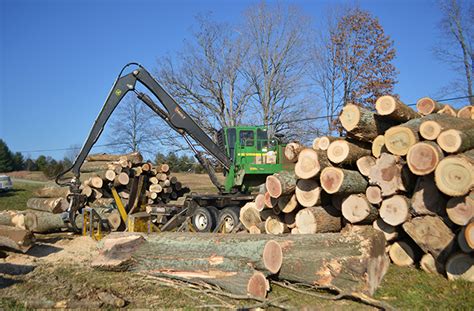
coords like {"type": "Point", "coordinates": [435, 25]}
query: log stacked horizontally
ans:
{"type": "Point", "coordinates": [407, 173]}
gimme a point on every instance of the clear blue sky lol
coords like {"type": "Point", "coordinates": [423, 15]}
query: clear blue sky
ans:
{"type": "Point", "coordinates": [58, 59]}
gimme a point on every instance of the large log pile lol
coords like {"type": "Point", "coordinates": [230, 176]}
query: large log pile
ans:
{"type": "Point", "coordinates": [407, 173]}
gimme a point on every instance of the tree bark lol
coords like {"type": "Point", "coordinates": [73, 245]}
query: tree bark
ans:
{"type": "Point", "coordinates": [378, 146]}
{"type": "Point", "coordinates": [269, 201]}
{"type": "Point", "coordinates": [344, 152]}
{"type": "Point", "coordinates": [432, 236]}
{"type": "Point", "coordinates": [42, 222]}
{"type": "Point", "coordinates": [454, 175]}
{"type": "Point", "coordinates": [318, 219]}
{"type": "Point", "coordinates": [423, 157]}
{"type": "Point", "coordinates": [395, 210]}
{"type": "Point", "coordinates": [460, 210]}
{"type": "Point", "coordinates": [95, 166]}
{"type": "Point", "coordinates": [362, 123]}
{"type": "Point", "coordinates": [337, 180]}
{"type": "Point", "coordinates": [402, 254]}
{"type": "Point", "coordinates": [16, 238]}
{"type": "Point", "coordinates": [391, 108]}
{"type": "Point", "coordinates": [281, 183]}
{"type": "Point", "coordinates": [426, 106]}
{"type": "Point", "coordinates": [357, 209]}
{"type": "Point", "coordinates": [292, 150]}
{"type": "Point", "coordinates": [310, 163]}
{"type": "Point", "coordinates": [51, 205]}
{"type": "Point", "coordinates": [134, 157]}
{"type": "Point", "coordinates": [448, 110]}
{"type": "Point", "coordinates": [435, 124]}
{"type": "Point", "coordinates": [460, 266]}
{"type": "Point", "coordinates": [308, 192]}
{"type": "Point", "coordinates": [454, 141]}
{"type": "Point", "coordinates": [427, 199]}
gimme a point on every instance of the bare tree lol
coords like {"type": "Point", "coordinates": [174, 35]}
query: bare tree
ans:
{"type": "Point", "coordinates": [353, 62]}
{"type": "Point", "coordinates": [276, 64]}
{"type": "Point", "coordinates": [133, 127]}
{"type": "Point", "coordinates": [205, 78]}
{"type": "Point", "coordinates": [456, 46]}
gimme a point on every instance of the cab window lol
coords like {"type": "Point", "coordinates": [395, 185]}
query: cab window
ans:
{"type": "Point", "coordinates": [247, 138]}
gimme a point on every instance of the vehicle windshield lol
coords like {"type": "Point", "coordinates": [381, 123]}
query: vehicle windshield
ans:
{"type": "Point", "coordinates": [4, 178]}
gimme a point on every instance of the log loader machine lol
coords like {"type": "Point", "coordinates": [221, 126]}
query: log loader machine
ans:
{"type": "Point", "coordinates": [246, 153]}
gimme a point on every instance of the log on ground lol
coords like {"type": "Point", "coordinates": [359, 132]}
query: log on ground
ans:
{"type": "Point", "coordinates": [51, 205]}
{"type": "Point", "coordinates": [16, 238]}
{"type": "Point", "coordinates": [42, 222]}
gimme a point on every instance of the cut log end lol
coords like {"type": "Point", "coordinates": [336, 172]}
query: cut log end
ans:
{"type": "Point", "coordinates": [373, 194]}
{"type": "Point", "coordinates": [460, 210]}
{"type": "Point", "coordinates": [260, 202]}
{"type": "Point", "coordinates": [350, 117]}
{"type": "Point", "coordinates": [338, 151]}
{"type": "Point", "coordinates": [399, 139]}
{"type": "Point", "coordinates": [386, 105]}
{"type": "Point", "coordinates": [378, 146]}
{"type": "Point", "coordinates": [395, 210]}
{"type": "Point", "coordinates": [450, 141]}
{"type": "Point", "coordinates": [324, 143]}
{"type": "Point", "coordinates": [273, 186]}
{"type": "Point", "coordinates": [331, 179]}
{"type": "Point", "coordinates": [466, 112]}
{"type": "Point", "coordinates": [308, 192]}
{"type": "Point", "coordinates": [454, 175]}
{"type": "Point", "coordinates": [390, 232]}
{"type": "Point", "coordinates": [430, 130]}
{"type": "Point", "coordinates": [460, 266]}
{"type": "Point", "coordinates": [272, 256]}
{"type": "Point", "coordinates": [402, 254]}
{"type": "Point", "coordinates": [423, 157]}
{"type": "Point", "coordinates": [426, 106]}
{"type": "Point", "coordinates": [356, 208]}
{"type": "Point", "coordinates": [292, 151]}
{"type": "Point", "coordinates": [469, 234]}
{"type": "Point", "coordinates": [364, 164]}
{"type": "Point", "coordinates": [258, 285]}
{"type": "Point", "coordinates": [308, 164]}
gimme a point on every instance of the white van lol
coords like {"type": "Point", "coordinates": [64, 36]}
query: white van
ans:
{"type": "Point", "coordinates": [5, 183]}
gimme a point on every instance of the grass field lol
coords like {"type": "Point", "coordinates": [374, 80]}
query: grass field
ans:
{"type": "Point", "coordinates": [403, 288]}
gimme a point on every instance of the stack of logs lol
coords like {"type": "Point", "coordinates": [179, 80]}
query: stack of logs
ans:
{"type": "Point", "coordinates": [99, 173]}
{"type": "Point", "coordinates": [409, 174]}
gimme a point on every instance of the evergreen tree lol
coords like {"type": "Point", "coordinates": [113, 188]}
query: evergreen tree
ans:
{"type": "Point", "coordinates": [18, 161]}
{"type": "Point", "coordinates": [6, 158]}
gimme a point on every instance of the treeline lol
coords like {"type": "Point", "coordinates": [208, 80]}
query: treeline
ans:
{"type": "Point", "coordinates": [179, 163]}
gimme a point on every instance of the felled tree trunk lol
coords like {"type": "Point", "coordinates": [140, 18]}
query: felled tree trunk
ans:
{"type": "Point", "coordinates": [16, 238]}
{"type": "Point", "coordinates": [460, 210]}
{"type": "Point", "coordinates": [345, 153]}
{"type": "Point", "coordinates": [308, 192]}
{"type": "Point", "coordinates": [134, 157]}
{"type": "Point", "coordinates": [423, 157]}
{"type": "Point", "coordinates": [392, 108]}
{"type": "Point", "coordinates": [357, 209]}
{"type": "Point", "coordinates": [51, 205]}
{"type": "Point", "coordinates": [292, 150]}
{"type": "Point", "coordinates": [388, 174]}
{"type": "Point", "coordinates": [318, 219]}
{"type": "Point", "coordinates": [95, 166]}
{"type": "Point", "coordinates": [281, 183]}
{"type": "Point", "coordinates": [435, 124]}
{"type": "Point", "coordinates": [432, 236]}
{"type": "Point", "coordinates": [310, 163]}
{"type": "Point", "coordinates": [363, 123]}
{"type": "Point", "coordinates": [249, 215]}
{"type": "Point", "coordinates": [337, 180]}
{"type": "Point", "coordinates": [427, 199]}
{"type": "Point", "coordinates": [426, 106]}
{"type": "Point", "coordinates": [399, 139]}
{"type": "Point", "coordinates": [453, 141]}
{"type": "Point", "coordinates": [51, 192]}
{"type": "Point", "coordinates": [42, 222]}
{"type": "Point", "coordinates": [454, 175]}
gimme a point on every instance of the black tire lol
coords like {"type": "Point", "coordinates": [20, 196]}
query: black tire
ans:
{"type": "Point", "coordinates": [230, 216]}
{"type": "Point", "coordinates": [204, 218]}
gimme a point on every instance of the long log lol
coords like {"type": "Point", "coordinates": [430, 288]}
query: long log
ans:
{"type": "Point", "coordinates": [308, 192]}
{"type": "Point", "coordinates": [402, 254]}
{"type": "Point", "coordinates": [51, 192]}
{"type": "Point", "coordinates": [392, 108]}
{"type": "Point", "coordinates": [435, 124]}
{"type": "Point", "coordinates": [281, 183]}
{"type": "Point", "coordinates": [460, 210]}
{"type": "Point", "coordinates": [363, 123]}
{"type": "Point", "coordinates": [427, 199]}
{"type": "Point", "coordinates": [318, 219]}
{"type": "Point", "coordinates": [42, 222]}
{"type": "Point", "coordinates": [399, 139]}
{"type": "Point", "coordinates": [454, 175]}
{"type": "Point", "coordinates": [426, 106]}
{"type": "Point", "coordinates": [16, 238]}
{"type": "Point", "coordinates": [292, 150]}
{"type": "Point", "coordinates": [134, 157]}
{"type": "Point", "coordinates": [310, 163]}
{"type": "Point", "coordinates": [454, 141]}
{"type": "Point", "coordinates": [357, 209]}
{"type": "Point", "coordinates": [460, 266]}
{"type": "Point", "coordinates": [378, 146]}
{"type": "Point", "coordinates": [12, 218]}
{"type": "Point", "coordinates": [344, 152]}
{"type": "Point", "coordinates": [95, 166]}
{"type": "Point", "coordinates": [227, 261]}
{"type": "Point", "coordinates": [432, 235]}
{"type": "Point", "coordinates": [424, 157]}
{"type": "Point", "coordinates": [395, 210]}
{"type": "Point", "coordinates": [388, 173]}
{"type": "Point", "coordinates": [51, 205]}
{"type": "Point", "coordinates": [335, 180]}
